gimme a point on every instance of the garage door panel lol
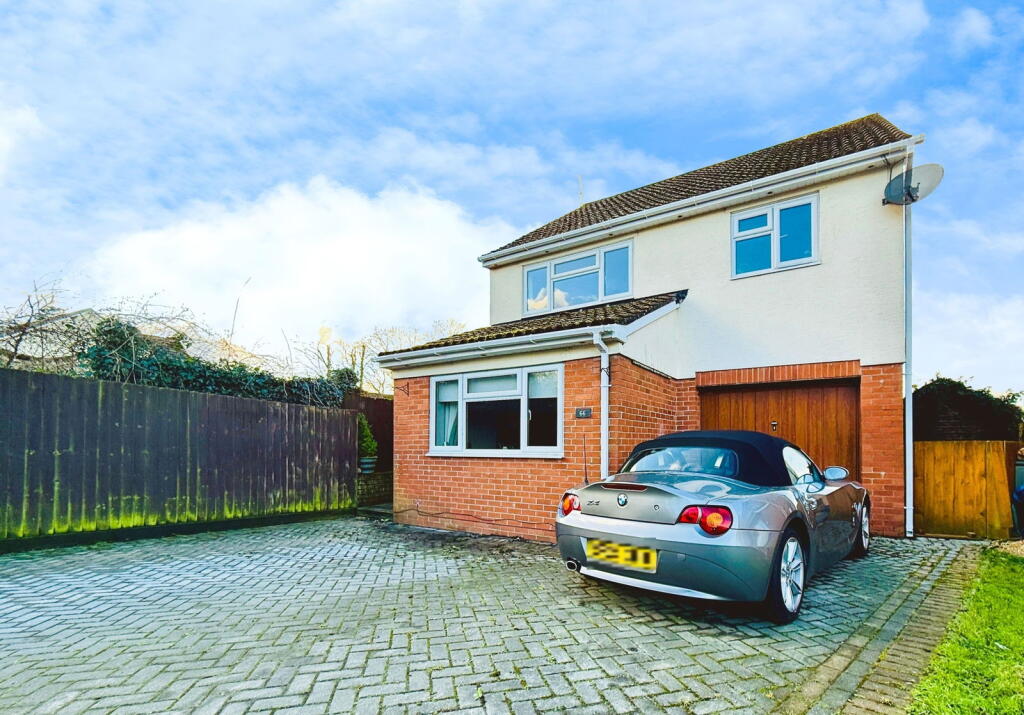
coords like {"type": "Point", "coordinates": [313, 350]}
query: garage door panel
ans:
{"type": "Point", "coordinates": [821, 417]}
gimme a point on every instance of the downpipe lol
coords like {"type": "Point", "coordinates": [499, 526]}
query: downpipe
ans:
{"type": "Point", "coordinates": [605, 384]}
{"type": "Point", "coordinates": [908, 376]}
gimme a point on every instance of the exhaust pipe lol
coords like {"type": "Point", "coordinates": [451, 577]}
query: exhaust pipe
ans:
{"type": "Point", "coordinates": [572, 565]}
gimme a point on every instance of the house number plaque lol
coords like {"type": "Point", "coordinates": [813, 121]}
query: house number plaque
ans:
{"type": "Point", "coordinates": [583, 413]}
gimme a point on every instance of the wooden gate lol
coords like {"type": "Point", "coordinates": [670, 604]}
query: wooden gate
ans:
{"type": "Point", "coordinates": [963, 488]}
{"type": "Point", "coordinates": [820, 417]}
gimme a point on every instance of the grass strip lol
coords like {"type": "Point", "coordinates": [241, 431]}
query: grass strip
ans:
{"type": "Point", "coordinates": [978, 667]}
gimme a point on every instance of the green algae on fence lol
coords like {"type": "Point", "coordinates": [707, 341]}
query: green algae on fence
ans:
{"type": "Point", "coordinates": [84, 455]}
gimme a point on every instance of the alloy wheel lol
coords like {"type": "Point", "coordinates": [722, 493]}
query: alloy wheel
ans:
{"type": "Point", "coordinates": [865, 527]}
{"type": "Point", "coordinates": [791, 574]}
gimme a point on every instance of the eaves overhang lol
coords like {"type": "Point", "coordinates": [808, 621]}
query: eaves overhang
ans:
{"type": "Point", "coordinates": [493, 348]}
{"type": "Point", "coordinates": [554, 340]}
{"type": "Point", "coordinates": [712, 201]}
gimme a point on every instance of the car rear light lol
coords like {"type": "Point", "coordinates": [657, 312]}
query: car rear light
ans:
{"type": "Point", "coordinates": [570, 502]}
{"type": "Point", "coordinates": [690, 515]}
{"type": "Point", "coordinates": [715, 520]}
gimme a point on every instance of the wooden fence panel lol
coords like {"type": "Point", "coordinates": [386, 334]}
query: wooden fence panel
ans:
{"type": "Point", "coordinates": [85, 455]}
{"type": "Point", "coordinates": [379, 413]}
{"type": "Point", "coordinates": [962, 488]}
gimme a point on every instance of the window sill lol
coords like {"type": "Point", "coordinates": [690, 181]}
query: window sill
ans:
{"type": "Point", "coordinates": [499, 454]}
{"type": "Point", "coordinates": [780, 269]}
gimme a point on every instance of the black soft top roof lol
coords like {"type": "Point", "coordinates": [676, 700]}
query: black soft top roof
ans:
{"type": "Point", "coordinates": [760, 454]}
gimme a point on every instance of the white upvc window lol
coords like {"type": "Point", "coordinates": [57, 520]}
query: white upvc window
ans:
{"type": "Point", "coordinates": [499, 413]}
{"type": "Point", "coordinates": [580, 279]}
{"type": "Point", "coordinates": [775, 237]}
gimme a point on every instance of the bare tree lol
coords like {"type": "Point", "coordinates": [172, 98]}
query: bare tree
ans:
{"type": "Point", "coordinates": [360, 355]}
{"type": "Point", "coordinates": [40, 334]}
{"type": "Point", "coordinates": [33, 332]}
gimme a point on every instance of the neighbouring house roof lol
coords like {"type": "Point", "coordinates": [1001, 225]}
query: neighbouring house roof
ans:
{"type": "Point", "coordinates": [858, 135]}
{"type": "Point", "coordinates": [49, 338]}
{"type": "Point", "coordinates": [620, 312]}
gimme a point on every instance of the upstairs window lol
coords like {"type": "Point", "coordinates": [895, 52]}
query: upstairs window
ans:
{"type": "Point", "coordinates": [582, 279]}
{"type": "Point", "coordinates": [775, 237]}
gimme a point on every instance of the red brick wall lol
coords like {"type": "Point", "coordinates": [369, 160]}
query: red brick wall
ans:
{"type": "Point", "coordinates": [881, 454]}
{"type": "Point", "coordinates": [780, 373]}
{"type": "Point", "coordinates": [687, 405]}
{"type": "Point", "coordinates": [642, 405]}
{"type": "Point", "coordinates": [509, 496]}
{"type": "Point", "coordinates": [518, 496]}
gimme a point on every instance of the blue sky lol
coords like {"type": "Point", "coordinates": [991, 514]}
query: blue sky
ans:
{"type": "Point", "coordinates": [343, 163]}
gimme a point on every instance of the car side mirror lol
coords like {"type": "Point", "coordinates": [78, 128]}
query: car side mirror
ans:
{"type": "Point", "coordinates": [811, 482]}
{"type": "Point", "coordinates": [836, 474]}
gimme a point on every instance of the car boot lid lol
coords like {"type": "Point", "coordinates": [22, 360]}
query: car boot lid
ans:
{"type": "Point", "coordinates": [656, 497]}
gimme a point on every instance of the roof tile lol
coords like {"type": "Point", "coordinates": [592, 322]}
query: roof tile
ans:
{"type": "Point", "coordinates": [621, 312]}
{"type": "Point", "coordinates": [865, 133]}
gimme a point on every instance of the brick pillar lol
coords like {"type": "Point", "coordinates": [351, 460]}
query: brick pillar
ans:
{"type": "Point", "coordinates": [412, 435]}
{"type": "Point", "coordinates": [641, 405]}
{"type": "Point", "coordinates": [687, 405]}
{"type": "Point", "coordinates": [881, 438]}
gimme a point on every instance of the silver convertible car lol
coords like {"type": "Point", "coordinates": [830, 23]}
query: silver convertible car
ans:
{"type": "Point", "coordinates": [728, 515]}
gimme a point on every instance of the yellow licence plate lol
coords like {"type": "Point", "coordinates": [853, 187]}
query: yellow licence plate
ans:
{"type": "Point", "coordinates": [632, 557]}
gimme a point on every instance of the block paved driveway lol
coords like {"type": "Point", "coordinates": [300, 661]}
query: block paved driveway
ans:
{"type": "Point", "coordinates": [352, 614]}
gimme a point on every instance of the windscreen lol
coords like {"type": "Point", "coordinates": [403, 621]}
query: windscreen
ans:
{"type": "Point", "coordinates": [714, 461]}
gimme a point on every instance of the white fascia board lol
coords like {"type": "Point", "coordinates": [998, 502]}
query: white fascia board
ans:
{"type": "Point", "coordinates": [622, 332]}
{"type": "Point", "coordinates": [500, 346]}
{"type": "Point", "coordinates": [711, 201]}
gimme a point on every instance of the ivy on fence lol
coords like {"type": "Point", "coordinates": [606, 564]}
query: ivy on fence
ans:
{"type": "Point", "coordinates": [121, 353]}
{"type": "Point", "coordinates": [946, 409]}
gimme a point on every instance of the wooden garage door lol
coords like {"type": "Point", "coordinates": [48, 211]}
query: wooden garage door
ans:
{"type": "Point", "coordinates": [820, 417]}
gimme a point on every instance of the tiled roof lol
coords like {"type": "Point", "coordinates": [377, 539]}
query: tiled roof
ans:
{"type": "Point", "coordinates": [621, 312]}
{"type": "Point", "coordinates": [865, 133]}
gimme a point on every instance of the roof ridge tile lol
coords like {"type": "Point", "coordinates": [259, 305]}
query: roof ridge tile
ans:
{"type": "Point", "coordinates": [850, 137]}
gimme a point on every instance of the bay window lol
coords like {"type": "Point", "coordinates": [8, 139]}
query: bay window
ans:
{"type": "Point", "coordinates": [506, 413]}
{"type": "Point", "coordinates": [581, 279]}
{"type": "Point", "coordinates": [775, 237]}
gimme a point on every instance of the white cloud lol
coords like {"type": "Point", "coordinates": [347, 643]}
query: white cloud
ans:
{"type": "Point", "coordinates": [954, 102]}
{"type": "Point", "coordinates": [972, 235]}
{"type": "Point", "coordinates": [535, 180]}
{"type": "Point", "coordinates": [316, 254]}
{"type": "Point", "coordinates": [969, 335]}
{"type": "Point", "coordinates": [629, 58]}
{"type": "Point", "coordinates": [17, 124]}
{"type": "Point", "coordinates": [967, 138]}
{"type": "Point", "coordinates": [528, 182]}
{"type": "Point", "coordinates": [906, 114]}
{"type": "Point", "coordinates": [972, 29]}
{"type": "Point", "coordinates": [135, 84]}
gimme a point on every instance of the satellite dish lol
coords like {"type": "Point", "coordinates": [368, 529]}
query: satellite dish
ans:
{"type": "Point", "coordinates": [913, 185]}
